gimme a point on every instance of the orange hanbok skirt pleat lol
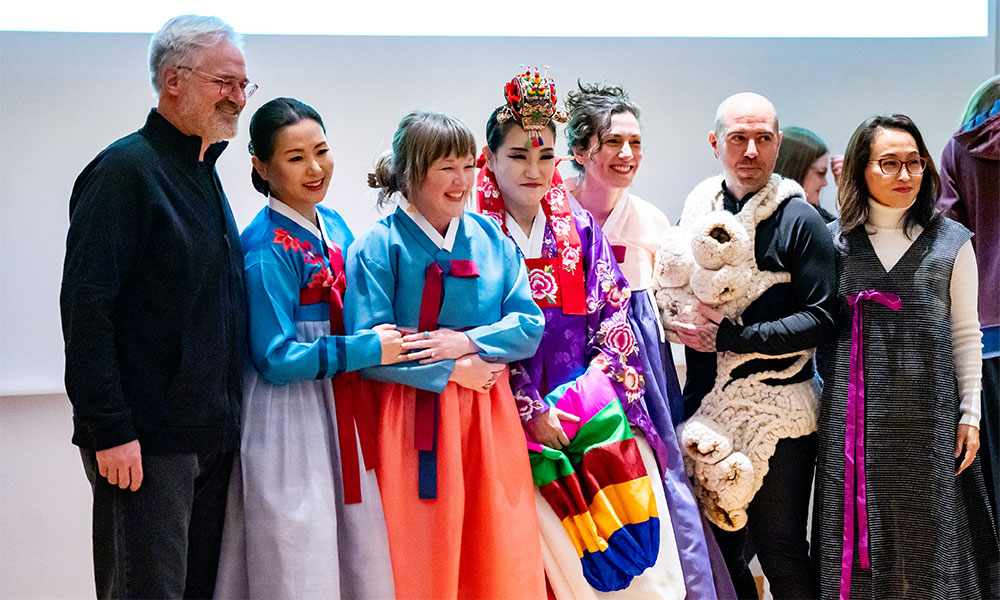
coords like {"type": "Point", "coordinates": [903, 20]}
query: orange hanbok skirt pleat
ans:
{"type": "Point", "coordinates": [479, 538]}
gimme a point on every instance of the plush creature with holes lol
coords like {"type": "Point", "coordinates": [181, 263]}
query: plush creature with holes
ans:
{"type": "Point", "coordinates": [709, 259]}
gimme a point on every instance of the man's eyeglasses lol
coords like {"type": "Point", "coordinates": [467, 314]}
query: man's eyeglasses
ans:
{"type": "Point", "coordinates": [892, 166]}
{"type": "Point", "coordinates": [226, 86]}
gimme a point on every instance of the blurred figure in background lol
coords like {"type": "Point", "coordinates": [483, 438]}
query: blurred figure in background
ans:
{"type": "Point", "coordinates": [805, 158]}
{"type": "Point", "coordinates": [970, 194]}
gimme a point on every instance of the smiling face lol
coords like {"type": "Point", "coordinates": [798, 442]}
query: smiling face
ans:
{"type": "Point", "coordinates": [614, 162]}
{"type": "Point", "coordinates": [299, 171]}
{"type": "Point", "coordinates": [523, 174]}
{"type": "Point", "coordinates": [815, 179]}
{"type": "Point", "coordinates": [746, 140]}
{"type": "Point", "coordinates": [442, 195]}
{"type": "Point", "coordinates": [901, 189]}
{"type": "Point", "coordinates": [202, 109]}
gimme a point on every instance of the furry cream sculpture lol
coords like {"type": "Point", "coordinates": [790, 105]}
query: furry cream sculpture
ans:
{"type": "Point", "coordinates": [709, 258]}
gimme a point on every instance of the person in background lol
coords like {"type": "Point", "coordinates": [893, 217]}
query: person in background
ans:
{"type": "Point", "coordinates": [303, 519]}
{"type": "Point", "coordinates": [805, 158]}
{"type": "Point", "coordinates": [900, 505]}
{"type": "Point", "coordinates": [970, 194]}
{"type": "Point", "coordinates": [605, 138]}
{"type": "Point", "coordinates": [453, 468]}
{"type": "Point", "coordinates": [154, 319]}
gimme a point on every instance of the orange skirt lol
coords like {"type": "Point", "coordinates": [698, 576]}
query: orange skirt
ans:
{"type": "Point", "coordinates": [479, 538]}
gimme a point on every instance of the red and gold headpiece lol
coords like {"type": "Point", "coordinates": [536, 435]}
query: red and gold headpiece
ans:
{"type": "Point", "coordinates": [531, 100]}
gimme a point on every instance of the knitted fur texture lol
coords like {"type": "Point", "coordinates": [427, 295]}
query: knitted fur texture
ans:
{"type": "Point", "coordinates": [709, 258]}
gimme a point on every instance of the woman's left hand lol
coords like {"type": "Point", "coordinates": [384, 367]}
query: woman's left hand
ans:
{"type": "Point", "coordinates": [967, 442]}
{"type": "Point", "coordinates": [442, 344]}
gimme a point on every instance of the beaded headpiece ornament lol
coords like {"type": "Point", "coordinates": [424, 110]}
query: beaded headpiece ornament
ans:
{"type": "Point", "coordinates": [531, 100]}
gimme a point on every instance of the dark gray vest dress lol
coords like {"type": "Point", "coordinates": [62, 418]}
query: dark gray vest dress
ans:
{"type": "Point", "coordinates": [931, 534]}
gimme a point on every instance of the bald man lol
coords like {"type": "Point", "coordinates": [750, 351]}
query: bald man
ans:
{"type": "Point", "coordinates": [787, 318]}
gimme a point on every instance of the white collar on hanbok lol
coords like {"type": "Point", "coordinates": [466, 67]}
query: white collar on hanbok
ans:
{"type": "Point", "coordinates": [530, 245]}
{"type": "Point", "coordinates": [287, 211]}
{"type": "Point", "coordinates": [443, 242]}
{"type": "Point", "coordinates": [614, 220]}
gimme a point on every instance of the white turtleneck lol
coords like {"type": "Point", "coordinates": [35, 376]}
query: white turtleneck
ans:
{"type": "Point", "coordinates": [885, 230]}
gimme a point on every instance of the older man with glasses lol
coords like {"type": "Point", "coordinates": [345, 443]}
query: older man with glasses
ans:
{"type": "Point", "coordinates": [154, 320]}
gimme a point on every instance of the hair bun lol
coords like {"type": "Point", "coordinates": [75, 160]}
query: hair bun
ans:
{"type": "Point", "coordinates": [373, 181]}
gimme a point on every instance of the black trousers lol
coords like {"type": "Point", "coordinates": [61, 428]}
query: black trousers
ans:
{"type": "Point", "coordinates": [988, 442]}
{"type": "Point", "coordinates": [161, 541]}
{"type": "Point", "coordinates": [776, 526]}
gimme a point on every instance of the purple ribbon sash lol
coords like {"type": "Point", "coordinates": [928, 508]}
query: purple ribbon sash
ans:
{"type": "Point", "coordinates": [854, 443]}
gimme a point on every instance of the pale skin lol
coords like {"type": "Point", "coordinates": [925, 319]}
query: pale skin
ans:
{"type": "Point", "coordinates": [441, 197]}
{"type": "Point", "coordinates": [901, 190]}
{"type": "Point", "coordinates": [523, 175]}
{"type": "Point", "coordinates": [609, 167]}
{"type": "Point", "coordinates": [746, 141]}
{"type": "Point", "coordinates": [195, 106]}
{"type": "Point", "coordinates": [298, 174]}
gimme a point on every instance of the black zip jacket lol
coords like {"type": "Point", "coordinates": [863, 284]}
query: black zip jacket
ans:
{"type": "Point", "coordinates": [153, 305]}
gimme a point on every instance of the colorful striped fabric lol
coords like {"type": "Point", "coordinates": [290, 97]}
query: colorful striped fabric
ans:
{"type": "Point", "coordinates": [598, 485]}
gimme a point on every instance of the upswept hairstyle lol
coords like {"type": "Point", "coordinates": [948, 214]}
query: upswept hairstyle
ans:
{"type": "Point", "coordinates": [853, 194]}
{"type": "Point", "coordinates": [982, 100]}
{"type": "Point", "coordinates": [591, 107]}
{"type": "Point", "coordinates": [421, 138]}
{"type": "Point", "coordinates": [270, 119]}
{"type": "Point", "coordinates": [800, 148]}
{"type": "Point", "coordinates": [181, 37]}
{"type": "Point", "coordinates": [496, 132]}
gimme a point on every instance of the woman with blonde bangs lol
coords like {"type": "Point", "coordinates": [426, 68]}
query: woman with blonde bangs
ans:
{"type": "Point", "coordinates": [453, 469]}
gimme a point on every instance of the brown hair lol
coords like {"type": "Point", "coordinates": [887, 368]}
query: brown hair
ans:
{"type": "Point", "coordinates": [421, 138]}
{"type": "Point", "coordinates": [591, 107]}
{"type": "Point", "coordinates": [800, 148]}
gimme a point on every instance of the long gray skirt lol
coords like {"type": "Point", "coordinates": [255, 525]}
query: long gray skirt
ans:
{"type": "Point", "coordinates": [288, 533]}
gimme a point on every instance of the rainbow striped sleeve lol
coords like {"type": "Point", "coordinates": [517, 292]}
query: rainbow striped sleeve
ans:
{"type": "Point", "coordinates": [598, 485]}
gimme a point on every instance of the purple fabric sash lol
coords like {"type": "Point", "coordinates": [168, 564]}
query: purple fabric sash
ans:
{"type": "Point", "coordinates": [854, 443]}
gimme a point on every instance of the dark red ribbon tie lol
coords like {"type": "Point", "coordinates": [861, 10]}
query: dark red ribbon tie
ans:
{"type": "Point", "coordinates": [425, 422]}
{"type": "Point", "coordinates": [353, 401]}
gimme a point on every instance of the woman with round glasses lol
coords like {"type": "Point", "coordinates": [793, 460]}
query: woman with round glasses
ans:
{"type": "Point", "coordinates": [900, 505]}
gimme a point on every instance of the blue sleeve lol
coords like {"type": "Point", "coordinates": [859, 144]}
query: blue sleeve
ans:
{"type": "Point", "coordinates": [272, 296]}
{"type": "Point", "coordinates": [371, 288]}
{"type": "Point", "coordinates": [518, 332]}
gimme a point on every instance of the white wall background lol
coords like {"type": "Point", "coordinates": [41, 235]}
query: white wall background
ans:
{"type": "Point", "coordinates": [64, 97]}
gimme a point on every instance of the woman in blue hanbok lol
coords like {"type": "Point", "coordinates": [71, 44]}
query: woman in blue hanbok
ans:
{"type": "Point", "coordinates": [453, 467]}
{"type": "Point", "coordinates": [304, 518]}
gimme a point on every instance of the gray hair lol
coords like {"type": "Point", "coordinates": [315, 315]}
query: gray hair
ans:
{"type": "Point", "coordinates": [183, 36]}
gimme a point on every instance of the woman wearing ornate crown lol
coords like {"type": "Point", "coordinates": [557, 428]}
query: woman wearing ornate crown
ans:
{"type": "Point", "coordinates": [304, 518]}
{"type": "Point", "coordinates": [453, 468]}
{"type": "Point", "coordinates": [604, 519]}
